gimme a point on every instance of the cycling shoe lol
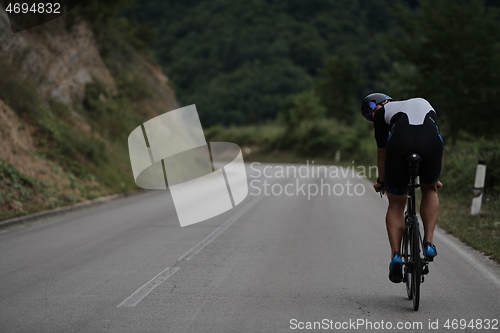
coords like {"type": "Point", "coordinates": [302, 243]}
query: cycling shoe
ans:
{"type": "Point", "coordinates": [395, 269]}
{"type": "Point", "coordinates": [430, 251]}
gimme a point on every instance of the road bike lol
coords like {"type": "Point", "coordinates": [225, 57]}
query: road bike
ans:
{"type": "Point", "coordinates": [415, 263]}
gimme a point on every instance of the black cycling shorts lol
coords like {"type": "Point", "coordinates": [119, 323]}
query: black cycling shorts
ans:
{"type": "Point", "coordinates": [405, 139]}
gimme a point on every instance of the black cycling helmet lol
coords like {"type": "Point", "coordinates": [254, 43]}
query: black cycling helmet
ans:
{"type": "Point", "coordinates": [370, 103]}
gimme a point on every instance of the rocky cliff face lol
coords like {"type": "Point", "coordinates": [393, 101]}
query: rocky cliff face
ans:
{"type": "Point", "coordinates": [59, 63]}
{"type": "Point", "coordinates": [62, 61]}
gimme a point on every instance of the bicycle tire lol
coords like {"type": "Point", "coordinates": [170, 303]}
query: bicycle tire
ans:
{"type": "Point", "coordinates": [407, 266]}
{"type": "Point", "coordinates": [417, 266]}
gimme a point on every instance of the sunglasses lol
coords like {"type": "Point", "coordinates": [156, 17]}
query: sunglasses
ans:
{"type": "Point", "coordinates": [373, 105]}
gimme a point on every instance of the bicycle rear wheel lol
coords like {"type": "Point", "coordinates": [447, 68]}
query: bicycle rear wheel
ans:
{"type": "Point", "coordinates": [417, 266]}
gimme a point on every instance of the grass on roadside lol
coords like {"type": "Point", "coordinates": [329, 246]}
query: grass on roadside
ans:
{"type": "Point", "coordinates": [481, 231]}
{"type": "Point", "coordinates": [21, 194]}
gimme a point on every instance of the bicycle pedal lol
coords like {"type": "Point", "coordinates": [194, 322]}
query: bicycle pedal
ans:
{"type": "Point", "coordinates": [425, 270]}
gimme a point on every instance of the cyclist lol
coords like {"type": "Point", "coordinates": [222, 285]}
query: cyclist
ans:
{"type": "Point", "coordinates": [403, 128]}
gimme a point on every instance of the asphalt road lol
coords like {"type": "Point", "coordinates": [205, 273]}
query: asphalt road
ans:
{"type": "Point", "coordinates": [275, 263]}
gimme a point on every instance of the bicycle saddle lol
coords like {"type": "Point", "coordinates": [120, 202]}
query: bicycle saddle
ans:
{"type": "Point", "coordinates": [413, 163]}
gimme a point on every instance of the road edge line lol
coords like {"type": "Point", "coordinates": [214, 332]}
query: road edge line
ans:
{"type": "Point", "coordinates": [60, 210]}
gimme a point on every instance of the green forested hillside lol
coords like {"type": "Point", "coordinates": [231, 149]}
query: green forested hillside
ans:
{"type": "Point", "coordinates": [239, 61]}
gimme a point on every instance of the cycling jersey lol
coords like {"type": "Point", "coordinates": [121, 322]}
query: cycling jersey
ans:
{"type": "Point", "coordinates": [403, 128]}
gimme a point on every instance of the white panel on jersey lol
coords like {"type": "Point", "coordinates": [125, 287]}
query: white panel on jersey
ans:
{"type": "Point", "coordinates": [415, 109]}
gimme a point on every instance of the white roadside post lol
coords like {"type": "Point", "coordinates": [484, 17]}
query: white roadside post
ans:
{"type": "Point", "coordinates": [337, 156]}
{"type": "Point", "coordinates": [478, 187]}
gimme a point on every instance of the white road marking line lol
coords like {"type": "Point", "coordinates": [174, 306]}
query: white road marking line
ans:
{"type": "Point", "coordinates": [469, 257]}
{"type": "Point", "coordinates": [220, 229]}
{"type": "Point", "coordinates": [144, 291]}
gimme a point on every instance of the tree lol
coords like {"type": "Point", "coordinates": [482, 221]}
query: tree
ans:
{"type": "Point", "coordinates": [239, 60]}
{"type": "Point", "coordinates": [338, 87]}
{"type": "Point", "coordinates": [450, 54]}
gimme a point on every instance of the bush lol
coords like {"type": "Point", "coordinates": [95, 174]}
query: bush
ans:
{"type": "Point", "coordinates": [261, 136]}
{"type": "Point", "coordinates": [15, 189]}
{"type": "Point", "coordinates": [300, 108]}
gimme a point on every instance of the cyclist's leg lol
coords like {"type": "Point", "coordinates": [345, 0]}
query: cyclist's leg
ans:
{"type": "Point", "coordinates": [396, 180]}
{"type": "Point", "coordinates": [395, 220]}
{"type": "Point", "coordinates": [429, 209]}
{"type": "Point", "coordinates": [395, 229]}
{"type": "Point", "coordinates": [399, 145]}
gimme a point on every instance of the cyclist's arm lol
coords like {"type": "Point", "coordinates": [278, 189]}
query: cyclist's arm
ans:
{"type": "Point", "coordinates": [381, 136]}
{"type": "Point", "coordinates": [381, 164]}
